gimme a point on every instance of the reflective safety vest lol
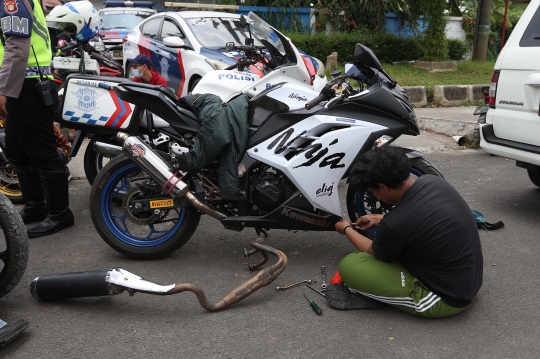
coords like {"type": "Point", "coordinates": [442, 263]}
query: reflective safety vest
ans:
{"type": "Point", "coordinates": [41, 44]}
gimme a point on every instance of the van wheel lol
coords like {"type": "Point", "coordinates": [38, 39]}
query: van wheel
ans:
{"type": "Point", "coordinates": [534, 176]}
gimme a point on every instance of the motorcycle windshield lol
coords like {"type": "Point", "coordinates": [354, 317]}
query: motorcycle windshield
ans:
{"type": "Point", "coordinates": [261, 30]}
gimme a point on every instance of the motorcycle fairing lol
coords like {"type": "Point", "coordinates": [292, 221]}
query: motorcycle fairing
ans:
{"type": "Point", "coordinates": [315, 154]}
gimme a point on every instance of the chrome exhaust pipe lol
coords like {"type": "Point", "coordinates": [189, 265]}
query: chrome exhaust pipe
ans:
{"type": "Point", "coordinates": [151, 163]}
{"type": "Point", "coordinates": [107, 149]}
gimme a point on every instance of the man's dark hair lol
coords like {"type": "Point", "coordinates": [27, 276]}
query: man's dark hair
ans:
{"type": "Point", "coordinates": [387, 165]}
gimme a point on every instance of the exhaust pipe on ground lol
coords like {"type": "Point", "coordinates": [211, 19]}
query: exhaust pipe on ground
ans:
{"type": "Point", "coordinates": [107, 149]}
{"type": "Point", "coordinates": [151, 163]}
{"type": "Point", "coordinates": [117, 280]}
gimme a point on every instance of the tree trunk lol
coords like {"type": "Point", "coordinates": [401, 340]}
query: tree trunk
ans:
{"type": "Point", "coordinates": [481, 32]}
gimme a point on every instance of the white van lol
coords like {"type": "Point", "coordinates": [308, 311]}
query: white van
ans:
{"type": "Point", "coordinates": [512, 127]}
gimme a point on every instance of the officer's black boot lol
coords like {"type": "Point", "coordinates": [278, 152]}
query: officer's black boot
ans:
{"type": "Point", "coordinates": [59, 217]}
{"type": "Point", "coordinates": [35, 209]}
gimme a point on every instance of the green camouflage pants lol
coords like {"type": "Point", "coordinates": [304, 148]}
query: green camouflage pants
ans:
{"type": "Point", "coordinates": [391, 283]}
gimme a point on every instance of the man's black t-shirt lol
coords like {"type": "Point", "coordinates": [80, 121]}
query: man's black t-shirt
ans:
{"type": "Point", "coordinates": [433, 233]}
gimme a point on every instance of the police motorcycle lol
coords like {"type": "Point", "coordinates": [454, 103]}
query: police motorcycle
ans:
{"type": "Point", "coordinates": [301, 144]}
{"type": "Point", "coordinates": [77, 53]}
{"type": "Point", "coordinates": [251, 59]}
{"type": "Point", "coordinates": [70, 53]}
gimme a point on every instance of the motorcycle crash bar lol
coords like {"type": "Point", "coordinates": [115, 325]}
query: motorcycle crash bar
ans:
{"type": "Point", "coordinates": [157, 168]}
{"type": "Point", "coordinates": [117, 280]}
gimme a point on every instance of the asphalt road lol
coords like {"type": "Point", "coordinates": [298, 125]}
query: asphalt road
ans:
{"type": "Point", "coordinates": [501, 323]}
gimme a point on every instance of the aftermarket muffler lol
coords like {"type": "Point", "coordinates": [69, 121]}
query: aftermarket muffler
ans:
{"type": "Point", "coordinates": [151, 163]}
{"type": "Point", "coordinates": [117, 280]}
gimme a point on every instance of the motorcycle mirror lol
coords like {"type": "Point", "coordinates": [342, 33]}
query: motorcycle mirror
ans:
{"type": "Point", "coordinates": [173, 41]}
{"type": "Point", "coordinates": [229, 46]}
{"type": "Point", "coordinates": [243, 22]}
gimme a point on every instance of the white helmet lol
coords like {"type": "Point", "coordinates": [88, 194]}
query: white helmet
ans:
{"type": "Point", "coordinates": [79, 18]}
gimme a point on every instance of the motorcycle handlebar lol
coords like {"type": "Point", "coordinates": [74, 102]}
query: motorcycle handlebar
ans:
{"type": "Point", "coordinates": [69, 47]}
{"type": "Point", "coordinates": [70, 285]}
{"type": "Point", "coordinates": [317, 100]}
{"type": "Point", "coordinates": [325, 94]}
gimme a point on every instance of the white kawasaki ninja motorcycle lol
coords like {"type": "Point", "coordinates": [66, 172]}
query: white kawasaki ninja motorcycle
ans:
{"type": "Point", "coordinates": [301, 144]}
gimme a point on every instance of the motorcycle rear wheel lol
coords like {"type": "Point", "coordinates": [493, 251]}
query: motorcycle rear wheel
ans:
{"type": "Point", "coordinates": [150, 240]}
{"type": "Point", "coordinates": [11, 190]}
{"type": "Point", "coordinates": [94, 161]}
{"type": "Point", "coordinates": [14, 248]}
{"type": "Point", "coordinates": [362, 203]}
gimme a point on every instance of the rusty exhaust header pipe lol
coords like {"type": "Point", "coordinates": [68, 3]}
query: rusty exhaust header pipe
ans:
{"type": "Point", "coordinates": [151, 163]}
{"type": "Point", "coordinates": [118, 280]}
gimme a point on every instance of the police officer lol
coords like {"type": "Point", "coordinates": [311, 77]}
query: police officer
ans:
{"type": "Point", "coordinates": [27, 102]}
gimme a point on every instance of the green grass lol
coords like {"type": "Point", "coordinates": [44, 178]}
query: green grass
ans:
{"type": "Point", "coordinates": [468, 73]}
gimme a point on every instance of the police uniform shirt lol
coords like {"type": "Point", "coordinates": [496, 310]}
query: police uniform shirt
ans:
{"type": "Point", "coordinates": [16, 22]}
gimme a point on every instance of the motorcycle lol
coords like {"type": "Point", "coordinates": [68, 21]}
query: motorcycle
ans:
{"type": "Point", "coordinates": [14, 253]}
{"type": "Point", "coordinates": [297, 152]}
{"type": "Point", "coordinates": [256, 61]}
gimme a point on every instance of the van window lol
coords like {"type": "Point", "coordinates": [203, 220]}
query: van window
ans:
{"type": "Point", "coordinates": [531, 36]}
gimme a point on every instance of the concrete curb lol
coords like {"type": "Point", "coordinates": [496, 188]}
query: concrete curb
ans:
{"type": "Point", "coordinates": [446, 95]}
{"type": "Point", "coordinates": [447, 127]}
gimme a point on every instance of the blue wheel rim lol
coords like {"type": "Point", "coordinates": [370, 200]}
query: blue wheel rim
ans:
{"type": "Point", "coordinates": [361, 209]}
{"type": "Point", "coordinates": [117, 223]}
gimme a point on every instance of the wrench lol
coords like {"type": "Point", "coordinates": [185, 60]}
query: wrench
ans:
{"type": "Point", "coordinates": [323, 274]}
{"type": "Point", "coordinates": [315, 290]}
{"type": "Point", "coordinates": [295, 284]}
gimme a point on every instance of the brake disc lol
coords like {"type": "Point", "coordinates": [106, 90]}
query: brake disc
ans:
{"type": "Point", "coordinates": [140, 216]}
{"type": "Point", "coordinates": [8, 175]}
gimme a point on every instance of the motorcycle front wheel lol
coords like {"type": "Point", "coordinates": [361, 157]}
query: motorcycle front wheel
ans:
{"type": "Point", "coordinates": [14, 247]}
{"type": "Point", "coordinates": [362, 203]}
{"type": "Point", "coordinates": [115, 207]}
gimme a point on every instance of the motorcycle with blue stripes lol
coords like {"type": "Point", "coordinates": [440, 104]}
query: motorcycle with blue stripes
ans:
{"type": "Point", "coordinates": [301, 145]}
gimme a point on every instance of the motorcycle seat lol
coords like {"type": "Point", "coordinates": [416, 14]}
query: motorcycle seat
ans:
{"type": "Point", "coordinates": [162, 102]}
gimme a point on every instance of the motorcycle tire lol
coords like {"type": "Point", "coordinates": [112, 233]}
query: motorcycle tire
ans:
{"type": "Point", "coordinates": [14, 248]}
{"type": "Point", "coordinates": [115, 224]}
{"type": "Point", "coordinates": [356, 201]}
{"type": "Point", "coordinates": [12, 189]}
{"type": "Point", "coordinates": [93, 161]}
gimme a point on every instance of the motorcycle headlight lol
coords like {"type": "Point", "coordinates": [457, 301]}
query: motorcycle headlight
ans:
{"type": "Point", "coordinates": [216, 64]}
{"type": "Point", "coordinates": [100, 47]}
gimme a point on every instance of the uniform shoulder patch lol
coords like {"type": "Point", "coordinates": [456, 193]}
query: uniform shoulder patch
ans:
{"type": "Point", "coordinates": [10, 6]}
{"type": "Point", "coordinates": [15, 19]}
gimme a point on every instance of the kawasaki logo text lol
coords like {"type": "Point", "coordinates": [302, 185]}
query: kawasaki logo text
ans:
{"type": "Point", "coordinates": [299, 217]}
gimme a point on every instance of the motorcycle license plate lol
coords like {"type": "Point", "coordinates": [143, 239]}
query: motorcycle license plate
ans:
{"type": "Point", "coordinates": [118, 53]}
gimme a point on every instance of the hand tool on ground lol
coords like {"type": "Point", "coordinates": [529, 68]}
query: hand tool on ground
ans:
{"type": "Point", "coordinates": [323, 274]}
{"type": "Point", "coordinates": [314, 305]}
{"type": "Point", "coordinates": [316, 290]}
{"type": "Point", "coordinates": [295, 284]}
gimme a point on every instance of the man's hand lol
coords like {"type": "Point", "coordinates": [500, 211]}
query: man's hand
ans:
{"type": "Point", "coordinates": [3, 111]}
{"type": "Point", "coordinates": [368, 221]}
{"type": "Point", "coordinates": [340, 226]}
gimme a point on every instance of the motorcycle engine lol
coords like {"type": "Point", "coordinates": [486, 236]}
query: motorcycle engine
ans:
{"type": "Point", "coordinates": [270, 190]}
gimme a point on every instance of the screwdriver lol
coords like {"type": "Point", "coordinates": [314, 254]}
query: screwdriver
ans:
{"type": "Point", "coordinates": [314, 305]}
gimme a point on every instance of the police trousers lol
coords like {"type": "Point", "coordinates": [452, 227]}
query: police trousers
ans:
{"type": "Point", "coordinates": [30, 139]}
